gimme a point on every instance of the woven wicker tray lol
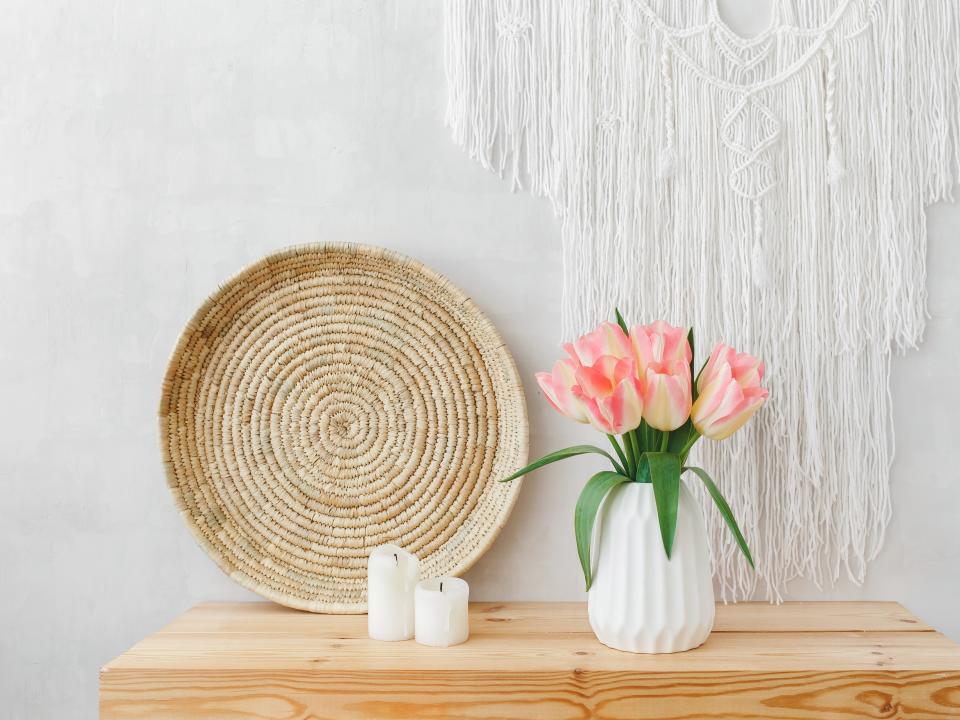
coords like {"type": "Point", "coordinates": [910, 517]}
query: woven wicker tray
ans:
{"type": "Point", "coordinates": [332, 398]}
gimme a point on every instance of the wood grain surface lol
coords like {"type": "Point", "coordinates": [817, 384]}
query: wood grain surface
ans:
{"type": "Point", "coordinates": [537, 660]}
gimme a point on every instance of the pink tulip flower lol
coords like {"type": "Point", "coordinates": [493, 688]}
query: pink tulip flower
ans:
{"type": "Point", "coordinates": [611, 394]}
{"type": "Point", "coordinates": [660, 344]}
{"type": "Point", "coordinates": [606, 340]}
{"type": "Point", "coordinates": [558, 387]}
{"type": "Point", "coordinates": [663, 357]}
{"type": "Point", "coordinates": [667, 397]}
{"type": "Point", "coordinates": [730, 392]}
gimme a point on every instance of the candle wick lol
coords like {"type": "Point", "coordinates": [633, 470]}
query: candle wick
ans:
{"type": "Point", "coordinates": [441, 587]}
{"type": "Point", "coordinates": [396, 559]}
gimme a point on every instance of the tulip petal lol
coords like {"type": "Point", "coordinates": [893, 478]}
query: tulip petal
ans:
{"type": "Point", "coordinates": [624, 407]}
{"type": "Point", "coordinates": [607, 339]}
{"type": "Point", "coordinates": [597, 380]}
{"type": "Point", "coordinates": [666, 398]}
{"type": "Point", "coordinates": [660, 345]}
{"type": "Point", "coordinates": [594, 415]}
{"type": "Point", "coordinates": [557, 388]}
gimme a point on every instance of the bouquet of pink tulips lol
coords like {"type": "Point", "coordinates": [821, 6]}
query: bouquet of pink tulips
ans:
{"type": "Point", "coordinates": [638, 383]}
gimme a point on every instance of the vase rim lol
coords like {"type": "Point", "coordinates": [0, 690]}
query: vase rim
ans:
{"type": "Point", "coordinates": [642, 485]}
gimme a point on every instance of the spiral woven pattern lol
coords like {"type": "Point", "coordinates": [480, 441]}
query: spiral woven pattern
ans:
{"type": "Point", "coordinates": [332, 398]}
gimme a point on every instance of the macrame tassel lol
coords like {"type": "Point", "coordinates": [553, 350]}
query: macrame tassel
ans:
{"type": "Point", "coordinates": [835, 167]}
{"type": "Point", "coordinates": [758, 258]}
{"type": "Point", "coordinates": [836, 170]}
{"type": "Point", "coordinates": [667, 162]}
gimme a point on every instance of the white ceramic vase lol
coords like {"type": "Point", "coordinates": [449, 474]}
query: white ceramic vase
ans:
{"type": "Point", "coordinates": [640, 601]}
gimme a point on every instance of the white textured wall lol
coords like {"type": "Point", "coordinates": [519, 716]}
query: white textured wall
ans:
{"type": "Point", "coordinates": [148, 150]}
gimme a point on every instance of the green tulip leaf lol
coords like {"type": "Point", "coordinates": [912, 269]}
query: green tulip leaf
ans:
{"type": "Point", "coordinates": [645, 434]}
{"type": "Point", "coordinates": [635, 452]}
{"type": "Point", "coordinates": [643, 470]}
{"type": "Point", "coordinates": [619, 450]}
{"type": "Point", "coordinates": [725, 511]}
{"type": "Point", "coordinates": [696, 379]}
{"type": "Point", "coordinates": [585, 514]}
{"type": "Point", "coordinates": [693, 388]}
{"type": "Point", "coordinates": [562, 455]}
{"type": "Point", "coordinates": [664, 471]}
{"type": "Point", "coordinates": [621, 322]}
{"type": "Point", "coordinates": [682, 439]}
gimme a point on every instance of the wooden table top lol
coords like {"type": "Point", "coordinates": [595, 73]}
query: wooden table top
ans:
{"type": "Point", "coordinates": [871, 654]}
{"type": "Point", "coordinates": [554, 636]}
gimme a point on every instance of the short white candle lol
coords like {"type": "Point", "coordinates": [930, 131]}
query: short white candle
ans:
{"type": "Point", "coordinates": [442, 618]}
{"type": "Point", "coordinates": [392, 575]}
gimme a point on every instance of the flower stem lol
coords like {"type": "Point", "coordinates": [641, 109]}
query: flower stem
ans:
{"type": "Point", "coordinates": [635, 445]}
{"type": "Point", "coordinates": [664, 441]}
{"type": "Point", "coordinates": [687, 446]}
{"type": "Point", "coordinates": [631, 456]}
{"type": "Point", "coordinates": [643, 436]}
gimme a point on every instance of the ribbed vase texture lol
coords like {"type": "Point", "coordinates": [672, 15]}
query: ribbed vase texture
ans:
{"type": "Point", "coordinates": [640, 601]}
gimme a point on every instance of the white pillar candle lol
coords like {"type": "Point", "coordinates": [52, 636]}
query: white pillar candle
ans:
{"type": "Point", "coordinates": [392, 575]}
{"type": "Point", "coordinates": [442, 618]}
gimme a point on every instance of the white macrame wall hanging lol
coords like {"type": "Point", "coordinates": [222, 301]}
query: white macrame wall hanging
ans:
{"type": "Point", "coordinates": [770, 191]}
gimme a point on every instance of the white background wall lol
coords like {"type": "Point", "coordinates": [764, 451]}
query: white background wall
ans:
{"type": "Point", "coordinates": [148, 150]}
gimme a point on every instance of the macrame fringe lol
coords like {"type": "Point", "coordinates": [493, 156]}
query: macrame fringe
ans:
{"type": "Point", "coordinates": [791, 225]}
{"type": "Point", "coordinates": [667, 163]}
